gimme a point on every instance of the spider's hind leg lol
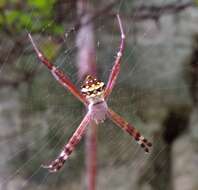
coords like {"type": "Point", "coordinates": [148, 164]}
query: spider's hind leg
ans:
{"type": "Point", "coordinates": [119, 121]}
{"type": "Point", "coordinates": [58, 163]}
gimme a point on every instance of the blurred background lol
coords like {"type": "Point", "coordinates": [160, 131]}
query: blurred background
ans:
{"type": "Point", "coordinates": [157, 91]}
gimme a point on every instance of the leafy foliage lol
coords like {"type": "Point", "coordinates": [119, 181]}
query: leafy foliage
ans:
{"type": "Point", "coordinates": [33, 15]}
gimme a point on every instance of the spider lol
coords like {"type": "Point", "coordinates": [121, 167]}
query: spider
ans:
{"type": "Point", "coordinates": [93, 95]}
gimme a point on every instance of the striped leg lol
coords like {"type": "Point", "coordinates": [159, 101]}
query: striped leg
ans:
{"type": "Point", "coordinates": [118, 120]}
{"type": "Point", "coordinates": [116, 68]}
{"type": "Point", "coordinates": [57, 164]}
{"type": "Point", "coordinates": [62, 78]}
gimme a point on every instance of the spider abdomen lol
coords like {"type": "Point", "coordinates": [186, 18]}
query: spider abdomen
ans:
{"type": "Point", "coordinates": [98, 111]}
{"type": "Point", "coordinates": [93, 89]}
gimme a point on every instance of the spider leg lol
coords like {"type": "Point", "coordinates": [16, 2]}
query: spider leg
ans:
{"type": "Point", "coordinates": [116, 68]}
{"type": "Point", "coordinates": [119, 121]}
{"type": "Point", "coordinates": [61, 77]}
{"type": "Point", "coordinates": [57, 164]}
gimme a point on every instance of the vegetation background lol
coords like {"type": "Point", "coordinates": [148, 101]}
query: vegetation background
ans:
{"type": "Point", "coordinates": [157, 91]}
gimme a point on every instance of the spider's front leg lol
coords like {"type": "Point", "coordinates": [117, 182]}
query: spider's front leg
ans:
{"type": "Point", "coordinates": [119, 121]}
{"type": "Point", "coordinates": [116, 68]}
{"type": "Point", "coordinates": [61, 77]}
{"type": "Point", "coordinates": [57, 164]}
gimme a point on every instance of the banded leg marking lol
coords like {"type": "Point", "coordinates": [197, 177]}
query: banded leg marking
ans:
{"type": "Point", "coordinates": [61, 77]}
{"type": "Point", "coordinates": [118, 120]}
{"type": "Point", "coordinates": [58, 163]}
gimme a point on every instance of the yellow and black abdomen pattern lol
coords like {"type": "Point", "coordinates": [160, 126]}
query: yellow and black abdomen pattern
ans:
{"type": "Point", "coordinates": [92, 87]}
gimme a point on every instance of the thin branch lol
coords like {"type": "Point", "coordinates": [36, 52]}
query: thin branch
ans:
{"type": "Point", "coordinates": [103, 12]}
{"type": "Point", "coordinates": [140, 13]}
{"type": "Point", "coordinates": [86, 64]}
{"type": "Point", "coordinates": [155, 11]}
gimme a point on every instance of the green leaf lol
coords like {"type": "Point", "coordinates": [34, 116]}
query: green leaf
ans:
{"type": "Point", "coordinates": [1, 20]}
{"type": "Point", "coordinates": [15, 1]}
{"type": "Point", "coordinates": [196, 2]}
{"type": "Point", "coordinates": [38, 3]}
{"type": "Point", "coordinates": [18, 18]}
{"type": "Point", "coordinates": [25, 20]}
{"type": "Point", "coordinates": [2, 3]}
{"type": "Point", "coordinates": [12, 16]}
{"type": "Point", "coordinates": [50, 49]}
{"type": "Point", "coordinates": [43, 7]}
{"type": "Point", "coordinates": [41, 4]}
{"type": "Point", "coordinates": [58, 29]}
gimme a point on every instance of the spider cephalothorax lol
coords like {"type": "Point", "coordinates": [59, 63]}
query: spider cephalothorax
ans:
{"type": "Point", "coordinates": [93, 95]}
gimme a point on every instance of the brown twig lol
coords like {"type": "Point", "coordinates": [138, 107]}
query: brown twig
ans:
{"type": "Point", "coordinates": [140, 13]}
{"type": "Point", "coordinates": [156, 11]}
{"type": "Point", "coordinates": [87, 65]}
{"type": "Point", "coordinates": [95, 15]}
